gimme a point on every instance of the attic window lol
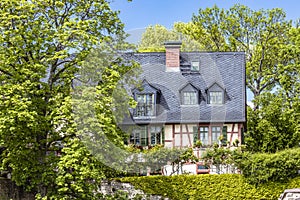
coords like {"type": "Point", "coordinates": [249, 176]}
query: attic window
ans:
{"type": "Point", "coordinates": [146, 97]}
{"type": "Point", "coordinates": [190, 98]}
{"type": "Point", "coordinates": [195, 66]}
{"type": "Point", "coordinates": [215, 94]}
{"type": "Point", "coordinates": [189, 95]}
{"type": "Point", "coordinates": [145, 105]}
{"type": "Point", "coordinates": [216, 97]}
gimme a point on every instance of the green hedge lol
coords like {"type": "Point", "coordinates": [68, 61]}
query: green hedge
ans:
{"type": "Point", "coordinates": [265, 167]}
{"type": "Point", "coordinates": [226, 186]}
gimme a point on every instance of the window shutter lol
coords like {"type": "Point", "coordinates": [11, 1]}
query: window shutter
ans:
{"type": "Point", "coordinates": [242, 135]}
{"type": "Point", "coordinates": [208, 97]}
{"type": "Point", "coordinates": [147, 136]}
{"type": "Point", "coordinates": [195, 134]}
{"type": "Point", "coordinates": [224, 133]}
{"type": "Point", "coordinates": [163, 136]}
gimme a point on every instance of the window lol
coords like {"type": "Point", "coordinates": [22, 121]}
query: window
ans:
{"type": "Point", "coordinates": [190, 98]}
{"type": "Point", "coordinates": [204, 135]}
{"type": "Point", "coordinates": [195, 66]}
{"type": "Point", "coordinates": [155, 135]}
{"type": "Point", "coordinates": [189, 95]}
{"type": "Point", "coordinates": [215, 134]}
{"type": "Point", "coordinates": [195, 134]}
{"type": "Point", "coordinates": [145, 105]}
{"type": "Point", "coordinates": [224, 133]}
{"type": "Point", "coordinates": [215, 97]}
{"type": "Point", "coordinates": [140, 136]}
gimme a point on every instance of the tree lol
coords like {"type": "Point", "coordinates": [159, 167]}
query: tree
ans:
{"type": "Point", "coordinates": [154, 37]}
{"type": "Point", "coordinates": [42, 45]}
{"type": "Point", "coordinates": [275, 125]}
{"type": "Point", "coordinates": [207, 28]}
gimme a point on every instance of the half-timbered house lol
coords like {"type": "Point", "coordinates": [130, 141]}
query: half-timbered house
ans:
{"type": "Point", "coordinates": [188, 96]}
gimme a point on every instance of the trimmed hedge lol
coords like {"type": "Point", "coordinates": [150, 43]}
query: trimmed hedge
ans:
{"type": "Point", "coordinates": [225, 186]}
{"type": "Point", "coordinates": [264, 167]}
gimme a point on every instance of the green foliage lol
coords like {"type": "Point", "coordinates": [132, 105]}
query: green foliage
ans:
{"type": "Point", "coordinates": [259, 167]}
{"type": "Point", "coordinates": [275, 126]}
{"type": "Point", "coordinates": [198, 144]}
{"type": "Point", "coordinates": [262, 167]}
{"type": "Point", "coordinates": [226, 186]}
{"type": "Point", "coordinates": [154, 37]}
{"type": "Point", "coordinates": [42, 47]}
{"type": "Point", "coordinates": [218, 156]}
{"type": "Point", "coordinates": [78, 174]}
{"type": "Point", "coordinates": [157, 157]}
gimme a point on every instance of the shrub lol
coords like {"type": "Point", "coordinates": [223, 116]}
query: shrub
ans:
{"type": "Point", "coordinates": [264, 167]}
{"type": "Point", "coordinates": [225, 186]}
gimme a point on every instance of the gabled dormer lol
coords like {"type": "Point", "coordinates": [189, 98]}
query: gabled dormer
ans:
{"type": "Point", "coordinates": [146, 97]}
{"type": "Point", "coordinates": [189, 95]}
{"type": "Point", "coordinates": [215, 94]}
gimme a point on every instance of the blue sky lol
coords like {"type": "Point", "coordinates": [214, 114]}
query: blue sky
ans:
{"type": "Point", "coordinates": [142, 13]}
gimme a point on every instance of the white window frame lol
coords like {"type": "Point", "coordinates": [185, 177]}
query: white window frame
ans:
{"type": "Point", "coordinates": [145, 105]}
{"type": "Point", "coordinates": [195, 66]}
{"type": "Point", "coordinates": [204, 134]}
{"type": "Point", "coordinates": [215, 134]}
{"type": "Point", "coordinates": [216, 97]}
{"type": "Point", "coordinates": [189, 98]}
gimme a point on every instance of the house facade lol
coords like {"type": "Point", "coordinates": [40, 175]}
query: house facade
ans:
{"type": "Point", "coordinates": [188, 96]}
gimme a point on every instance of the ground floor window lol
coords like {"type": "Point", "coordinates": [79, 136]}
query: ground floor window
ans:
{"type": "Point", "coordinates": [204, 135]}
{"type": "Point", "coordinates": [155, 135]}
{"type": "Point", "coordinates": [201, 133]}
{"type": "Point", "coordinates": [139, 136]}
{"type": "Point", "coordinates": [215, 134]}
{"type": "Point", "coordinates": [147, 136]}
{"type": "Point", "coordinates": [208, 135]}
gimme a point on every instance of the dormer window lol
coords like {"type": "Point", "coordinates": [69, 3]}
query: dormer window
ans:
{"type": "Point", "coordinates": [195, 66]}
{"type": "Point", "coordinates": [189, 95]}
{"type": "Point", "coordinates": [215, 94]}
{"type": "Point", "coordinates": [215, 97]}
{"type": "Point", "coordinates": [190, 98]}
{"type": "Point", "coordinates": [145, 105]}
{"type": "Point", "coordinates": [146, 100]}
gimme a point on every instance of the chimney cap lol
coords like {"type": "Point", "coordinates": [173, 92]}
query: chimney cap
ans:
{"type": "Point", "coordinates": [172, 43]}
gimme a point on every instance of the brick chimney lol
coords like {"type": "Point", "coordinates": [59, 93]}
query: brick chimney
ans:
{"type": "Point", "coordinates": [172, 56]}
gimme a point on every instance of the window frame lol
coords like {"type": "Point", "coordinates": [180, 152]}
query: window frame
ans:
{"type": "Point", "coordinates": [140, 107]}
{"type": "Point", "coordinates": [186, 97]}
{"type": "Point", "coordinates": [195, 66]}
{"type": "Point", "coordinates": [198, 131]}
{"type": "Point", "coordinates": [217, 101]}
{"type": "Point", "coordinates": [189, 102]}
{"type": "Point", "coordinates": [206, 132]}
{"type": "Point", "coordinates": [157, 135]}
{"type": "Point", "coordinates": [215, 89]}
{"type": "Point", "coordinates": [218, 131]}
{"type": "Point", "coordinates": [142, 136]}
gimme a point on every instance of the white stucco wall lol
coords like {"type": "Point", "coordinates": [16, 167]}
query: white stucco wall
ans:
{"type": "Point", "coordinates": [168, 132]}
{"type": "Point", "coordinates": [229, 127]}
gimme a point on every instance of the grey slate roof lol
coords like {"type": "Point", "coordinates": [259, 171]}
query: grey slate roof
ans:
{"type": "Point", "coordinates": [226, 69]}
